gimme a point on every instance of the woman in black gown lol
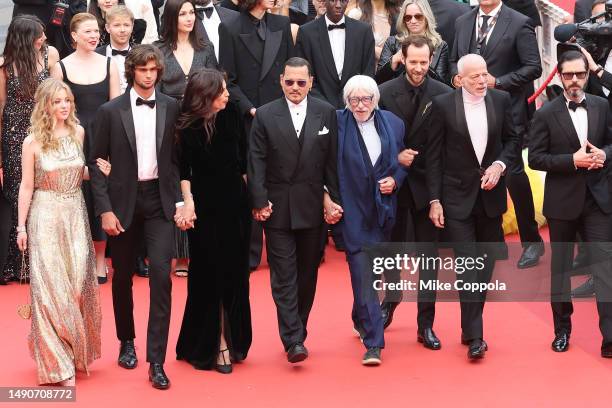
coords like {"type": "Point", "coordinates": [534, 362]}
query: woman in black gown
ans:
{"type": "Point", "coordinates": [217, 319]}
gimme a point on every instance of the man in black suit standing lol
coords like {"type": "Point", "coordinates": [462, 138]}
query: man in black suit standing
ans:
{"type": "Point", "coordinates": [446, 13]}
{"type": "Point", "coordinates": [571, 140]}
{"type": "Point", "coordinates": [338, 48]}
{"type": "Point", "coordinates": [409, 97]}
{"type": "Point", "coordinates": [506, 40]}
{"type": "Point", "coordinates": [136, 132]}
{"type": "Point", "coordinates": [252, 50]}
{"type": "Point", "coordinates": [527, 8]}
{"type": "Point", "coordinates": [292, 159]}
{"type": "Point", "coordinates": [211, 17]}
{"type": "Point", "coordinates": [472, 141]}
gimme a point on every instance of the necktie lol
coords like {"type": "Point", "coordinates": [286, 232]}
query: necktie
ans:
{"type": "Point", "coordinates": [334, 26]}
{"type": "Point", "coordinates": [482, 34]}
{"type": "Point", "coordinates": [200, 11]}
{"type": "Point", "coordinates": [118, 52]}
{"type": "Point", "coordinates": [261, 29]}
{"type": "Point", "coordinates": [575, 105]}
{"type": "Point", "coordinates": [150, 103]}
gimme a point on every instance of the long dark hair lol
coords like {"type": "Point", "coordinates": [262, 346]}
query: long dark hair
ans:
{"type": "Point", "coordinates": [169, 25]}
{"type": "Point", "coordinates": [204, 86]}
{"type": "Point", "coordinates": [368, 13]}
{"type": "Point", "coordinates": [19, 51]}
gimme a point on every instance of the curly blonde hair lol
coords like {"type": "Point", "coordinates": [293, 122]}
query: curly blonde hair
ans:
{"type": "Point", "coordinates": [43, 121]}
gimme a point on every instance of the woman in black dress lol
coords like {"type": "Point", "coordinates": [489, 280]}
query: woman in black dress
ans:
{"type": "Point", "coordinates": [217, 321]}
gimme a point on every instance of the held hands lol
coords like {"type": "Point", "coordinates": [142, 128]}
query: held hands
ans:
{"type": "Point", "coordinates": [332, 212]}
{"type": "Point", "coordinates": [592, 160]}
{"type": "Point", "coordinates": [386, 185]}
{"type": "Point", "coordinates": [111, 224]}
{"type": "Point", "coordinates": [262, 214]}
{"type": "Point", "coordinates": [185, 216]}
{"type": "Point", "coordinates": [491, 176]}
{"type": "Point", "coordinates": [436, 214]}
{"type": "Point", "coordinates": [406, 157]}
{"type": "Point", "coordinates": [104, 166]}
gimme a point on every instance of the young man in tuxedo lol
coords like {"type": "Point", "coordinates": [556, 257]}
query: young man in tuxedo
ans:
{"type": "Point", "coordinates": [338, 48]}
{"type": "Point", "coordinates": [136, 132]}
{"type": "Point", "coordinates": [292, 160]}
{"type": "Point", "coordinates": [474, 127]}
{"type": "Point", "coordinates": [571, 140]}
{"type": "Point", "coordinates": [506, 40]}
{"type": "Point", "coordinates": [409, 97]}
{"type": "Point", "coordinates": [211, 17]}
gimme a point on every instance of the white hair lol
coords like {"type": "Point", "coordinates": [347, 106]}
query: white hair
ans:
{"type": "Point", "coordinates": [361, 83]}
{"type": "Point", "coordinates": [467, 58]}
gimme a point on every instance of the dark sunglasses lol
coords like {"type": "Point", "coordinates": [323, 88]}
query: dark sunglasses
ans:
{"type": "Point", "coordinates": [301, 83]}
{"type": "Point", "coordinates": [417, 17]}
{"type": "Point", "coordinates": [568, 76]}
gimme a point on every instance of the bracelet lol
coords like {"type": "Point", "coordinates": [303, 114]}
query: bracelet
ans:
{"type": "Point", "coordinates": [21, 228]}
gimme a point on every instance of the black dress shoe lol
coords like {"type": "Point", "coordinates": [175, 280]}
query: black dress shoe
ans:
{"type": "Point", "coordinates": [387, 309]}
{"type": "Point", "coordinates": [531, 255]}
{"type": "Point", "coordinates": [158, 377]}
{"type": "Point", "coordinates": [606, 350]}
{"type": "Point", "coordinates": [102, 280]}
{"type": "Point", "coordinates": [226, 367]}
{"type": "Point", "coordinates": [297, 353]}
{"type": "Point", "coordinates": [587, 289]}
{"type": "Point", "coordinates": [142, 269]}
{"type": "Point", "coordinates": [371, 357]}
{"type": "Point", "coordinates": [477, 349]}
{"type": "Point", "coordinates": [127, 355]}
{"type": "Point", "coordinates": [560, 343]}
{"type": "Point", "coordinates": [429, 339]}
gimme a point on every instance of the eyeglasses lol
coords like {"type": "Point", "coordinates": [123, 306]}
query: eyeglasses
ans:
{"type": "Point", "coordinates": [417, 17]}
{"type": "Point", "coordinates": [300, 82]}
{"type": "Point", "coordinates": [568, 76]}
{"type": "Point", "coordinates": [366, 100]}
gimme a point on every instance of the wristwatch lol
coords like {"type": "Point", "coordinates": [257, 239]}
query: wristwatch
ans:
{"type": "Point", "coordinates": [497, 83]}
{"type": "Point", "coordinates": [599, 68]}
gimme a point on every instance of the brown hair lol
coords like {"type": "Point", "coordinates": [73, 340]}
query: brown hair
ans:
{"type": "Point", "coordinates": [418, 41]}
{"type": "Point", "coordinates": [80, 18]}
{"type": "Point", "coordinates": [248, 5]}
{"type": "Point", "coordinates": [140, 55]}
{"type": "Point", "coordinates": [119, 11]}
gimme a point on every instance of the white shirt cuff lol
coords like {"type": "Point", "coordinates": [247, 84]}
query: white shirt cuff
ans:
{"type": "Point", "coordinates": [179, 204]}
{"type": "Point", "coordinates": [502, 164]}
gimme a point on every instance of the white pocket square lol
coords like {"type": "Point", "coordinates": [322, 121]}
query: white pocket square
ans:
{"type": "Point", "coordinates": [324, 131]}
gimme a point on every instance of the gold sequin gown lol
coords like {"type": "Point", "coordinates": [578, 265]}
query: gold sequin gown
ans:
{"type": "Point", "coordinates": [66, 318]}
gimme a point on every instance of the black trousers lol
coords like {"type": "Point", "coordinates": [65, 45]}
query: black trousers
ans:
{"type": "Point", "coordinates": [594, 227]}
{"type": "Point", "coordinates": [149, 221]}
{"type": "Point", "coordinates": [474, 237]}
{"type": "Point", "coordinates": [293, 256]}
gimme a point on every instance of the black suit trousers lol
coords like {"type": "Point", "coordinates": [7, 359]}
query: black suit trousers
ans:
{"type": "Point", "coordinates": [149, 221]}
{"type": "Point", "coordinates": [293, 256]}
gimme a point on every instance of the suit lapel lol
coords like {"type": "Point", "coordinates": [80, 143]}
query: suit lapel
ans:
{"type": "Point", "coordinates": [565, 121]}
{"type": "Point", "coordinates": [285, 126]}
{"type": "Point", "coordinates": [350, 51]}
{"type": "Point", "coordinates": [248, 35]}
{"type": "Point", "coordinates": [310, 130]}
{"type": "Point", "coordinates": [422, 110]}
{"type": "Point", "coordinates": [592, 119]}
{"type": "Point", "coordinates": [128, 122]}
{"type": "Point", "coordinates": [462, 127]}
{"type": "Point", "coordinates": [491, 128]}
{"type": "Point", "coordinates": [326, 50]}
{"type": "Point", "coordinates": [271, 46]}
{"type": "Point", "coordinates": [501, 25]}
{"type": "Point", "coordinates": [465, 36]}
{"type": "Point", "coordinates": [160, 122]}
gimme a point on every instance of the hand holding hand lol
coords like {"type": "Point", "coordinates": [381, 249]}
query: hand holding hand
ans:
{"type": "Point", "coordinates": [491, 176]}
{"type": "Point", "coordinates": [386, 185]}
{"type": "Point", "coordinates": [436, 214]}
{"type": "Point", "coordinates": [406, 157]}
{"type": "Point", "coordinates": [111, 224]}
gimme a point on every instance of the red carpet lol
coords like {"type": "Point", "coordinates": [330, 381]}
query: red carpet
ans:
{"type": "Point", "coordinates": [519, 369]}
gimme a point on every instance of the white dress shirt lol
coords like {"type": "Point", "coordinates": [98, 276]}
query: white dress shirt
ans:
{"type": "Point", "coordinates": [119, 61]}
{"type": "Point", "coordinates": [370, 138]}
{"type": "Point", "coordinates": [298, 114]}
{"type": "Point", "coordinates": [337, 40]}
{"type": "Point", "coordinates": [211, 25]}
{"type": "Point", "coordinates": [580, 121]}
{"type": "Point", "coordinates": [492, 13]}
{"type": "Point", "coordinates": [146, 144]}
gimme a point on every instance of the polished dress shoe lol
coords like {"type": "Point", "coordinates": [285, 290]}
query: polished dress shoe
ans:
{"type": "Point", "coordinates": [477, 349]}
{"type": "Point", "coordinates": [226, 367]}
{"type": "Point", "coordinates": [158, 377]}
{"type": "Point", "coordinates": [429, 339]}
{"type": "Point", "coordinates": [387, 309]}
{"type": "Point", "coordinates": [561, 342]}
{"type": "Point", "coordinates": [531, 255]}
{"type": "Point", "coordinates": [606, 350]}
{"type": "Point", "coordinates": [127, 355]}
{"type": "Point", "coordinates": [142, 269]}
{"type": "Point", "coordinates": [587, 289]}
{"type": "Point", "coordinates": [297, 353]}
{"type": "Point", "coordinates": [371, 357]}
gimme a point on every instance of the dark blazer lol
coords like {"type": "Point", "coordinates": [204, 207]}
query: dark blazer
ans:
{"type": "Point", "coordinates": [582, 10]}
{"type": "Point", "coordinates": [595, 85]}
{"type": "Point", "coordinates": [313, 44]}
{"type": "Point", "coordinates": [511, 53]}
{"type": "Point", "coordinates": [553, 141]}
{"type": "Point", "coordinates": [114, 137]}
{"type": "Point", "coordinates": [394, 98]}
{"type": "Point", "coordinates": [225, 15]}
{"type": "Point", "coordinates": [253, 82]}
{"type": "Point", "coordinates": [446, 13]}
{"type": "Point", "coordinates": [527, 8]}
{"type": "Point", "coordinates": [453, 171]}
{"type": "Point", "coordinates": [291, 172]}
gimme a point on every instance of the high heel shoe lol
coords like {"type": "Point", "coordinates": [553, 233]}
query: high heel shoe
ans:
{"type": "Point", "coordinates": [224, 368]}
{"type": "Point", "coordinates": [70, 382]}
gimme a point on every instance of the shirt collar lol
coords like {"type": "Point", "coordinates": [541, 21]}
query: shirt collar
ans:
{"type": "Point", "coordinates": [134, 95]}
{"type": "Point", "coordinates": [301, 105]}
{"type": "Point", "coordinates": [110, 47]}
{"type": "Point", "coordinates": [369, 121]}
{"type": "Point", "coordinates": [492, 12]}
{"type": "Point", "coordinates": [328, 22]}
{"type": "Point", "coordinates": [567, 100]}
{"type": "Point", "coordinates": [471, 99]}
{"type": "Point", "coordinates": [409, 85]}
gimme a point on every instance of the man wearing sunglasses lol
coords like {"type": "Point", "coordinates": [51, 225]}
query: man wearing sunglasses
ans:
{"type": "Point", "coordinates": [571, 139]}
{"type": "Point", "coordinates": [292, 161]}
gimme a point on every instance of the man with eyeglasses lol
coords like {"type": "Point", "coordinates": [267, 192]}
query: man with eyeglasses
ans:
{"type": "Point", "coordinates": [292, 161]}
{"type": "Point", "coordinates": [472, 140]}
{"type": "Point", "coordinates": [571, 140]}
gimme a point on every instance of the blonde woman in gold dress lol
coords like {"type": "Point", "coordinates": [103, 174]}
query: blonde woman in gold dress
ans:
{"type": "Point", "coordinates": [66, 317]}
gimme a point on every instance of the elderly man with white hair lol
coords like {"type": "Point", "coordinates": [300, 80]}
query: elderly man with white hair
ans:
{"type": "Point", "coordinates": [472, 140]}
{"type": "Point", "coordinates": [369, 175]}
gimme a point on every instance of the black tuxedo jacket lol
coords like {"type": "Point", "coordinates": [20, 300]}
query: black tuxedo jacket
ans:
{"type": "Point", "coordinates": [553, 141]}
{"type": "Point", "coordinates": [453, 171]}
{"type": "Point", "coordinates": [291, 172]}
{"type": "Point", "coordinates": [313, 45]}
{"type": "Point", "coordinates": [446, 13]}
{"type": "Point", "coordinates": [225, 15]}
{"type": "Point", "coordinates": [253, 82]}
{"type": "Point", "coordinates": [511, 53]}
{"type": "Point", "coordinates": [114, 137]}
{"type": "Point", "coordinates": [394, 98]}
{"type": "Point", "coordinates": [527, 8]}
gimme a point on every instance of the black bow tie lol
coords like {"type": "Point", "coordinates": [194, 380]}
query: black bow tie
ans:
{"type": "Point", "coordinates": [201, 11]}
{"type": "Point", "coordinates": [575, 105]}
{"type": "Point", "coordinates": [117, 52]}
{"type": "Point", "coordinates": [334, 26]}
{"type": "Point", "coordinates": [150, 103]}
